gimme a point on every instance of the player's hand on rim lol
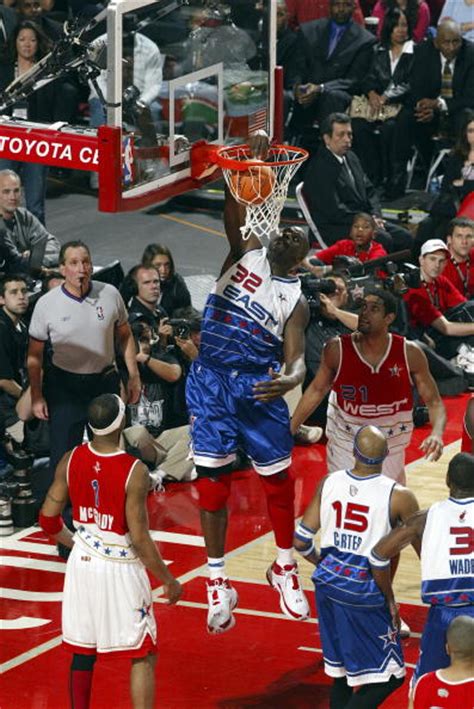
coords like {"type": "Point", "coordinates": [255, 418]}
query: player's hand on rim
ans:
{"type": "Point", "coordinates": [273, 388]}
{"type": "Point", "coordinates": [432, 447]}
{"type": "Point", "coordinates": [259, 142]}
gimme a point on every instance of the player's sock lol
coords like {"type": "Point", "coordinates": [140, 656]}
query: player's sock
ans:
{"type": "Point", "coordinates": [216, 568]}
{"type": "Point", "coordinates": [280, 492]}
{"type": "Point", "coordinates": [371, 696]}
{"type": "Point", "coordinates": [340, 693]}
{"type": "Point", "coordinates": [82, 668]}
{"type": "Point", "coordinates": [285, 557]}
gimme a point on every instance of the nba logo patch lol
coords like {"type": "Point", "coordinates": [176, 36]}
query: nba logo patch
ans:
{"type": "Point", "coordinates": [353, 490]}
{"type": "Point", "coordinates": [100, 312]}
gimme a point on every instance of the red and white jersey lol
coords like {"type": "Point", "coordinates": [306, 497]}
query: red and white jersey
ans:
{"type": "Point", "coordinates": [363, 394]}
{"type": "Point", "coordinates": [447, 559]}
{"type": "Point", "coordinates": [98, 489]}
{"type": "Point", "coordinates": [434, 692]}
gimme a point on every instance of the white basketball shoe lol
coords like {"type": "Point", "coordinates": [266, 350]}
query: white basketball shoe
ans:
{"type": "Point", "coordinates": [221, 599]}
{"type": "Point", "coordinates": [286, 581]}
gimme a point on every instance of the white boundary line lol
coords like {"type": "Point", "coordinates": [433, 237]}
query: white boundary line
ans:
{"type": "Point", "coordinates": [188, 576]}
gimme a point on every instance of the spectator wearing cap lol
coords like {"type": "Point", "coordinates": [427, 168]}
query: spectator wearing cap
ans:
{"type": "Point", "coordinates": [429, 304]}
{"type": "Point", "coordinates": [459, 267]}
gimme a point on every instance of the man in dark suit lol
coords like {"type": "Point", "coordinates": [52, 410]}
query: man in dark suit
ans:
{"type": "Point", "coordinates": [8, 22]}
{"type": "Point", "coordinates": [336, 188]}
{"type": "Point", "coordinates": [441, 88]}
{"type": "Point", "coordinates": [332, 57]}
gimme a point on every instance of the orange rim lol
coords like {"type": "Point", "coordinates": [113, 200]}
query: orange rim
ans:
{"type": "Point", "coordinates": [225, 160]}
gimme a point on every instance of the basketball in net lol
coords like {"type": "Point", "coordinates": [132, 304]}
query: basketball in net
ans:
{"type": "Point", "coordinates": [253, 186]}
{"type": "Point", "coordinates": [262, 185]}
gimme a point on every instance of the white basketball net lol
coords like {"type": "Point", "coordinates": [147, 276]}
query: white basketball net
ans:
{"type": "Point", "coordinates": [263, 212]}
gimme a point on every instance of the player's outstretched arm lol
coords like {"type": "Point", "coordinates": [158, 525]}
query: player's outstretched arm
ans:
{"type": "Point", "coordinates": [137, 521]}
{"type": "Point", "coordinates": [320, 385]}
{"type": "Point", "coordinates": [56, 498]}
{"type": "Point", "coordinates": [234, 212]}
{"type": "Point", "coordinates": [428, 391]}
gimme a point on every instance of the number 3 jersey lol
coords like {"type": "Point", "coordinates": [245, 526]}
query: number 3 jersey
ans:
{"type": "Point", "coordinates": [246, 313]}
{"type": "Point", "coordinates": [447, 553]}
{"type": "Point", "coordinates": [355, 514]}
{"type": "Point", "coordinates": [363, 394]}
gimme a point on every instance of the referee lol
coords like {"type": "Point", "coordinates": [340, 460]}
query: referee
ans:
{"type": "Point", "coordinates": [80, 320]}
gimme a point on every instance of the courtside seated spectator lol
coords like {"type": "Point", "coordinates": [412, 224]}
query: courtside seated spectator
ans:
{"type": "Point", "coordinates": [336, 188]}
{"type": "Point", "coordinates": [459, 267]}
{"type": "Point", "coordinates": [429, 304]}
{"type": "Point", "coordinates": [36, 246]}
{"type": "Point", "coordinates": [333, 55]}
{"type": "Point", "coordinates": [460, 11]}
{"type": "Point", "coordinates": [300, 11]}
{"type": "Point", "coordinates": [360, 245]}
{"type": "Point", "coordinates": [441, 88]}
{"type": "Point", "coordinates": [174, 292]}
{"type": "Point", "coordinates": [457, 184]}
{"type": "Point", "coordinates": [383, 91]}
{"type": "Point", "coordinates": [452, 686]}
{"type": "Point", "coordinates": [416, 11]}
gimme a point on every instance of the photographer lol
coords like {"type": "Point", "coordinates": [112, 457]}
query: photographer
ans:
{"type": "Point", "coordinates": [329, 319]}
{"type": "Point", "coordinates": [13, 347]}
{"type": "Point", "coordinates": [430, 307]}
{"type": "Point", "coordinates": [151, 433]}
{"type": "Point", "coordinates": [187, 338]}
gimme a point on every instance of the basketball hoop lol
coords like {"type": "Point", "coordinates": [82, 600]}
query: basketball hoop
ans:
{"type": "Point", "coordinates": [262, 185]}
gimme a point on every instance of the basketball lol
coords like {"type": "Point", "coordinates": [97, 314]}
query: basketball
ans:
{"type": "Point", "coordinates": [253, 186]}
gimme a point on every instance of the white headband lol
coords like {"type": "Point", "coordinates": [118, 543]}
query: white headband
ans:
{"type": "Point", "coordinates": [115, 423]}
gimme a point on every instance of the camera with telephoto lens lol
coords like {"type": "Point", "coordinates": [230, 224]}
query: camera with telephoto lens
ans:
{"type": "Point", "coordinates": [312, 288]}
{"type": "Point", "coordinates": [181, 328]}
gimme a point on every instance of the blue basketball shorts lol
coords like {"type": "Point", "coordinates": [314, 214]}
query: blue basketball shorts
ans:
{"type": "Point", "coordinates": [433, 655]}
{"type": "Point", "coordinates": [358, 642]}
{"type": "Point", "coordinates": [224, 415]}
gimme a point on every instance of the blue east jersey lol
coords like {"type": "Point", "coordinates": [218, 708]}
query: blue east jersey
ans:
{"type": "Point", "coordinates": [246, 313]}
{"type": "Point", "coordinates": [242, 337]}
{"type": "Point", "coordinates": [447, 576]}
{"type": "Point", "coordinates": [447, 553]}
{"type": "Point", "coordinates": [357, 636]}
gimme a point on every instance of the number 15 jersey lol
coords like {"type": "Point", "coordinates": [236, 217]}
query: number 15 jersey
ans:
{"type": "Point", "coordinates": [355, 514]}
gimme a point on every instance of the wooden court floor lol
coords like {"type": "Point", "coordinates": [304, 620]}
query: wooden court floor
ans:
{"type": "Point", "coordinates": [266, 661]}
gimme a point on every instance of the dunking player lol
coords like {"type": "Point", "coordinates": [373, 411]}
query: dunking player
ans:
{"type": "Point", "coordinates": [371, 374]}
{"type": "Point", "coordinates": [107, 602]}
{"type": "Point", "coordinates": [254, 318]}
{"type": "Point", "coordinates": [358, 625]}
{"type": "Point", "coordinates": [445, 531]}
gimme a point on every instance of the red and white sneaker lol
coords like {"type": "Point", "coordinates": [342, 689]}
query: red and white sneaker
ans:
{"type": "Point", "coordinates": [285, 580]}
{"type": "Point", "coordinates": [221, 599]}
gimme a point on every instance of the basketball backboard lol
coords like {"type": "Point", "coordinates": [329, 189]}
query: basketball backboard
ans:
{"type": "Point", "coordinates": [179, 73]}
